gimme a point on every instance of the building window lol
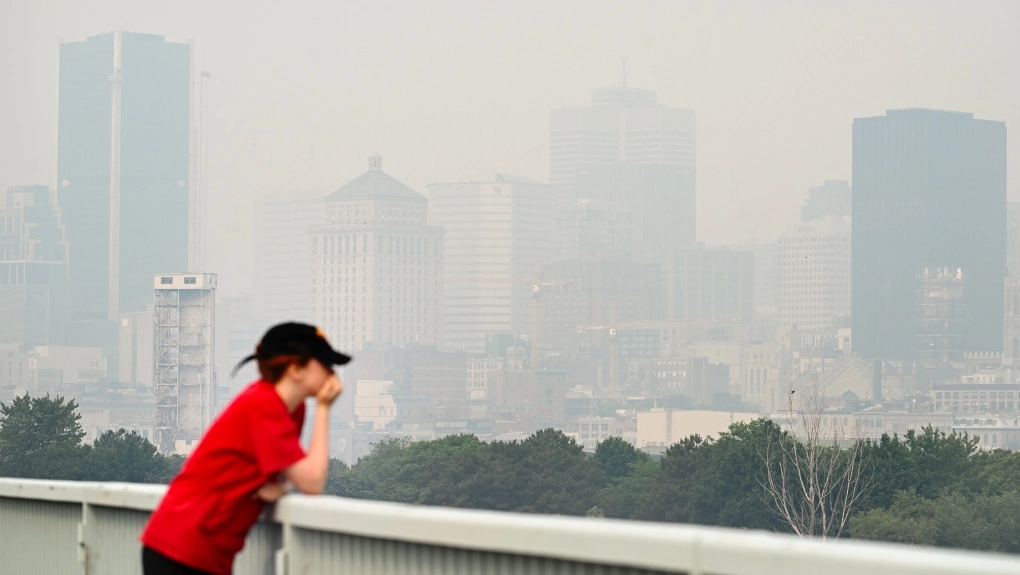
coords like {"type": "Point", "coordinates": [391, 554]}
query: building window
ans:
{"type": "Point", "coordinates": [166, 281]}
{"type": "Point", "coordinates": [189, 281]}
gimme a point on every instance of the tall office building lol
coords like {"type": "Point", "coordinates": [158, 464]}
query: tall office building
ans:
{"type": "Point", "coordinates": [1013, 238]}
{"type": "Point", "coordinates": [659, 198]}
{"type": "Point", "coordinates": [282, 260]}
{"type": "Point", "coordinates": [184, 378]}
{"type": "Point", "coordinates": [814, 274]}
{"type": "Point", "coordinates": [591, 227]}
{"type": "Point", "coordinates": [622, 125]}
{"type": "Point", "coordinates": [929, 192]}
{"type": "Point", "coordinates": [497, 237]}
{"type": "Point", "coordinates": [708, 284]}
{"type": "Point", "coordinates": [377, 265]}
{"type": "Point", "coordinates": [33, 268]}
{"type": "Point", "coordinates": [122, 169]}
{"type": "Point", "coordinates": [832, 198]}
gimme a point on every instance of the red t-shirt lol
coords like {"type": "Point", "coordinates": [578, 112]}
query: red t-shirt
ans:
{"type": "Point", "coordinates": [206, 513]}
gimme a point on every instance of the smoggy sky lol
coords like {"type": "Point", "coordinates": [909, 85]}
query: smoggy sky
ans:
{"type": "Point", "coordinates": [447, 90]}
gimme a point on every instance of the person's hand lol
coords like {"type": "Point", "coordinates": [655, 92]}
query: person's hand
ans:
{"type": "Point", "coordinates": [330, 390]}
{"type": "Point", "coordinates": [270, 492]}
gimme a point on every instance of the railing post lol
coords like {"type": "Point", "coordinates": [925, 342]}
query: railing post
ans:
{"type": "Point", "coordinates": [83, 539]}
{"type": "Point", "coordinates": [282, 555]}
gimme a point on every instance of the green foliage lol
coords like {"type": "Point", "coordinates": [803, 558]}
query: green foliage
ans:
{"type": "Point", "coordinates": [40, 437]}
{"type": "Point", "coordinates": [981, 522]}
{"type": "Point", "coordinates": [928, 463]}
{"type": "Point", "coordinates": [714, 482]}
{"type": "Point", "coordinates": [122, 456]}
{"type": "Point", "coordinates": [930, 487]}
{"type": "Point", "coordinates": [614, 456]}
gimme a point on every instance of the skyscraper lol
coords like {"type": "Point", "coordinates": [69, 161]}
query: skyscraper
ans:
{"type": "Point", "coordinates": [497, 237]}
{"type": "Point", "coordinates": [33, 268]}
{"type": "Point", "coordinates": [814, 274]}
{"type": "Point", "coordinates": [282, 259]}
{"type": "Point", "coordinates": [122, 168]}
{"type": "Point", "coordinates": [814, 261]}
{"type": "Point", "coordinates": [660, 199]}
{"type": "Point", "coordinates": [621, 126]}
{"type": "Point", "coordinates": [929, 192]}
{"type": "Point", "coordinates": [377, 265]}
{"type": "Point", "coordinates": [829, 199]}
{"type": "Point", "coordinates": [709, 284]}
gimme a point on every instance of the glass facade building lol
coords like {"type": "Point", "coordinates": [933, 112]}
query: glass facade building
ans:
{"type": "Point", "coordinates": [122, 168]}
{"type": "Point", "coordinates": [929, 192]}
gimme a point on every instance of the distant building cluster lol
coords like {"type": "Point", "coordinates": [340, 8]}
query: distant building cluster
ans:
{"type": "Point", "coordinates": [500, 307]}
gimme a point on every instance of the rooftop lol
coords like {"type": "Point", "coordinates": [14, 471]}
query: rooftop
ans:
{"type": "Point", "coordinates": [375, 185]}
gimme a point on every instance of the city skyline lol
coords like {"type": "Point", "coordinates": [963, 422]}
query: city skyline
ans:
{"type": "Point", "coordinates": [777, 121]}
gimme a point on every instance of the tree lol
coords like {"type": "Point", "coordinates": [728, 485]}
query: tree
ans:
{"type": "Point", "coordinates": [621, 498]}
{"type": "Point", "coordinates": [557, 477]}
{"type": "Point", "coordinates": [41, 438]}
{"type": "Point", "coordinates": [122, 456]}
{"type": "Point", "coordinates": [615, 456]}
{"type": "Point", "coordinates": [975, 521]}
{"type": "Point", "coordinates": [713, 482]}
{"type": "Point", "coordinates": [812, 483]}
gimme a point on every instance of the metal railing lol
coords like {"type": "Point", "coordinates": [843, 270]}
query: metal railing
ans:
{"type": "Point", "coordinates": [66, 527]}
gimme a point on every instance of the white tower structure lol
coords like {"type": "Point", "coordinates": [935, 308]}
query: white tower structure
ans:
{"type": "Point", "coordinates": [183, 377]}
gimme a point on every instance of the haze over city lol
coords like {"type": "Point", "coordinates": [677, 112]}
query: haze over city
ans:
{"type": "Point", "coordinates": [301, 94]}
{"type": "Point", "coordinates": [747, 266]}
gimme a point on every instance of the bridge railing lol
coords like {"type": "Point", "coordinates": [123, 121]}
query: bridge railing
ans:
{"type": "Point", "coordinates": [92, 528]}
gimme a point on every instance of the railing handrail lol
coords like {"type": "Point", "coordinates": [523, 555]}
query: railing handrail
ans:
{"type": "Point", "coordinates": [663, 546]}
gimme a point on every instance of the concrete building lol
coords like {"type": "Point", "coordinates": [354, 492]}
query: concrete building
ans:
{"type": "Point", "coordinates": [51, 369]}
{"type": "Point", "coordinates": [377, 265]}
{"type": "Point", "coordinates": [709, 283]}
{"type": "Point", "coordinates": [929, 192]}
{"type": "Point", "coordinates": [184, 381]}
{"type": "Point", "coordinates": [238, 330]}
{"type": "Point", "coordinates": [664, 427]}
{"type": "Point", "coordinates": [590, 228]}
{"type": "Point", "coordinates": [123, 134]}
{"type": "Point", "coordinates": [814, 274]}
{"type": "Point", "coordinates": [766, 287]}
{"type": "Point", "coordinates": [137, 333]}
{"type": "Point", "coordinates": [572, 296]}
{"type": "Point", "coordinates": [282, 259]}
{"type": "Point", "coordinates": [33, 268]}
{"type": "Point", "coordinates": [1013, 238]}
{"type": "Point", "coordinates": [660, 199]}
{"type": "Point", "coordinates": [999, 398]}
{"type": "Point", "coordinates": [374, 404]}
{"type": "Point", "coordinates": [622, 125]}
{"type": "Point", "coordinates": [991, 432]}
{"type": "Point", "coordinates": [497, 237]}
{"type": "Point", "coordinates": [833, 198]}
{"type": "Point", "coordinates": [871, 423]}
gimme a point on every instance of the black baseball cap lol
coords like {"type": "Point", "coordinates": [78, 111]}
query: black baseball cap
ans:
{"type": "Point", "coordinates": [296, 339]}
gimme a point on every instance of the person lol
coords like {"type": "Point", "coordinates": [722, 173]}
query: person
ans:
{"type": "Point", "coordinates": [247, 457]}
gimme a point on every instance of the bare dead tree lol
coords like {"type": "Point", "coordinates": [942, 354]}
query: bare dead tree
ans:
{"type": "Point", "coordinates": [816, 476]}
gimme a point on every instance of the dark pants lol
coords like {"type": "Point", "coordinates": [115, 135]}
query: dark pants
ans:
{"type": "Point", "coordinates": [155, 563]}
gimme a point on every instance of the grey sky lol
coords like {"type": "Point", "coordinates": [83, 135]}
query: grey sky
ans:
{"type": "Point", "coordinates": [450, 90]}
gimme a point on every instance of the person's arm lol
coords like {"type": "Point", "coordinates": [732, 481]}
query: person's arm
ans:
{"type": "Point", "coordinates": [309, 474]}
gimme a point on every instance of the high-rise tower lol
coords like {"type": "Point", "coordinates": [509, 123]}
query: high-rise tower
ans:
{"type": "Point", "coordinates": [929, 192]}
{"type": "Point", "coordinates": [122, 168]}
